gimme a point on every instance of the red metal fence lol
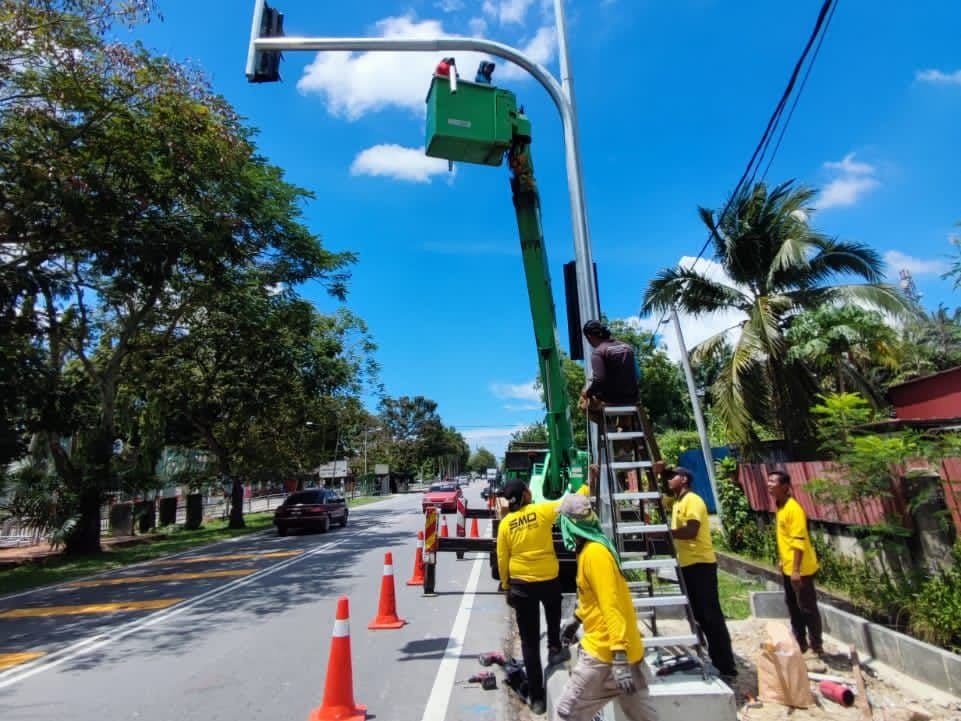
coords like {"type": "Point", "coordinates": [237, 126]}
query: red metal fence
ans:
{"type": "Point", "coordinates": [866, 511]}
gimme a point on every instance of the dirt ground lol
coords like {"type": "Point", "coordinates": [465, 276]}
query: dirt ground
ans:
{"type": "Point", "coordinates": [887, 689]}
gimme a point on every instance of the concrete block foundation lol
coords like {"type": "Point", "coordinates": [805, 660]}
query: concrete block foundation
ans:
{"type": "Point", "coordinates": [679, 697]}
{"type": "Point", "coordinates": [914, 658]}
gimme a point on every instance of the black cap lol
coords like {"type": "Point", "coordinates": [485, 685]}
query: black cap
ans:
{"type": "Point", "coordinates": [596, 329]}
{"type": "Point", "coordinates": [513, 491]}
{"type": "Point", "coordinates": [682, 471]}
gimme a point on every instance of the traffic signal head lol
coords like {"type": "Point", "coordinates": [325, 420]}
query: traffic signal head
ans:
{"type": "Point", "coordinates": [264, 66]}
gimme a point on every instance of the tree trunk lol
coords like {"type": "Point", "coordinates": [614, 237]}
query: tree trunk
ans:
{"type": "Point", "coordinates": [85, 536]}
{"type": "Point", "coordinates": [237, 504]}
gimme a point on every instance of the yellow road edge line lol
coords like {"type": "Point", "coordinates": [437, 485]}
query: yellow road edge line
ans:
{"type": "Point", "coordinates": [9, 660]}
{"type": "Point", "coordinates": [118, 607]}
{"type": "Point", "coordinates": [161, 578]}
{"type": "Point", "coordinates": [230, 557]}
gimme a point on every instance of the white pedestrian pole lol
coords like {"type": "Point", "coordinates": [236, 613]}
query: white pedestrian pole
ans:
{"type": "Point", "coordinates": [696, 408]}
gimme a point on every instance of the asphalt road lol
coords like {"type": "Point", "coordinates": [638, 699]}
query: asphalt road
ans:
{"type": "Point", "coordinates": [241, 630]}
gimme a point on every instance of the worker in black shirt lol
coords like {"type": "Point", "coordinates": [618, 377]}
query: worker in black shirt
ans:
{"type": "Point", "coordinates": [614, 381]}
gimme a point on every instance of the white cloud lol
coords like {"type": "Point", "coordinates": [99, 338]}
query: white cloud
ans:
{"type": "Point", "coordinates": [517, 391]}
{"type": "Point", "coordinates": [541, 49]}
{"type": "Point", "coordinates": [937, 77]}
{"type": "Point", "coordinates": [449, 6]}
{"type": "Point", "coordinates": [478, 26]}
{"type": "Point", "coordinates": [897, 261]}
{"type": "Point", "coordinates": [853, 181]}
{"type": "Point", "coordinates": [354, 84]}
{"type": "Point", "coordinates": [513, 11]}
{"type": "Point", "coordinates": [398, 162]}
{"type": "Point", "coordinates": [522, 407]}
{"type": "Point", "coordinates": [696, 329]}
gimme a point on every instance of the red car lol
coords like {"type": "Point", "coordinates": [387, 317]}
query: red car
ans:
{"type": "Point", "coordinates": [443, 496]}
{"type": "Point", "coordinates": [314, 509]}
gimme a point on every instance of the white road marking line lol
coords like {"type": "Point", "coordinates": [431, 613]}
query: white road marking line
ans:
{"type": "Point", "coordinates": [439, 697]}
{"type": "Point", "coordinates": [45, 663]}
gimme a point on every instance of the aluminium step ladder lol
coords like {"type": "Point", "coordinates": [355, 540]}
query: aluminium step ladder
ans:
{"type": "Point", "coordinates": [632, 513]}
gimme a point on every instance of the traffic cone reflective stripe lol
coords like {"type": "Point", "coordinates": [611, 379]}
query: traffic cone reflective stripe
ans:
{"type": "Point", "coordinates": [387, 608]}
{"type": "Point", "coordinates": [418, 578]}
{"type": "Point", "coordinates": [474, 533]}
{"type": "Point", "coordinates": [338, 703]}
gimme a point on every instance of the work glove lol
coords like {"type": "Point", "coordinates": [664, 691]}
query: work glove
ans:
{"type": "Point", "coordinates": [508, 598]}
{"type": "Point", "coordinates": [569, 630]}
{"type": "Point", "coordinates": [623, 677]}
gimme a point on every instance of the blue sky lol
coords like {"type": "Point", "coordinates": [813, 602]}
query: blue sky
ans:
{"type": "Point", "coordinates": [672, 97]}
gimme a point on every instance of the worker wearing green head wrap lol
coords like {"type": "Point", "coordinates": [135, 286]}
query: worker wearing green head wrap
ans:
{"type": "Point", "coordinates": [609, 665]}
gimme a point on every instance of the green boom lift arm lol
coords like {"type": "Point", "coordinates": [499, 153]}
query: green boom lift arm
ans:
{"type": "Point", "coordinates": [479, 123]}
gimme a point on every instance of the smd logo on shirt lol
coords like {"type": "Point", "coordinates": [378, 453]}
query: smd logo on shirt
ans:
{"type": "Point", "coordinates": [525, 521]}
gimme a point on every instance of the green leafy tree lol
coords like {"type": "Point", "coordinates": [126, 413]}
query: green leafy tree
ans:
{"type": "Point", "coordinates": [852, 346]}
{"type": "Point", "coordinates": [247, 373]}
{"type": "Point", "coordinates": [778, 266]}
{"type": "Point", "coordinates": [126, 182]}
{"type": "Point", "coordinates": [481, 459]}
{"type": "Point", "coordinates": [930, 342]}
{"type": "Point", "coordinates": [533, 433]}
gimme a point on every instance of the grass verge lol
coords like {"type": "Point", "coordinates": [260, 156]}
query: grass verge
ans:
{"type": "Point", "coordinates": [364, 500]}
{"type": "Point", "coordinates": [166, 541]}
{"type": "Point", "coordinates": [734, 593]}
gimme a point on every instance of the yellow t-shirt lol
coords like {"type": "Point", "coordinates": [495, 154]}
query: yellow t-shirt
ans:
{"type": "Point", "coordinates": [525, 546]}
{"type": "Point", "coordinates": [700, 549]}
{"type": "Point", "coordinates": [604, 607]}
{"type": "Point", "coordinates": [792, 533]}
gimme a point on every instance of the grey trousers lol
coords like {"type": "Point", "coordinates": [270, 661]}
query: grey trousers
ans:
{"type": "Point", "coordinates": [592, 685]}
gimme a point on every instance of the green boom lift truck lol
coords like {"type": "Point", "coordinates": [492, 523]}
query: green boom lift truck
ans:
{"type": "Point", "coordinates": [480, 123]}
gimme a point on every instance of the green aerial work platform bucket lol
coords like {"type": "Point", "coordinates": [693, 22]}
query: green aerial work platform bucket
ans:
{"type": "Point", "coordinates": [474, 125]}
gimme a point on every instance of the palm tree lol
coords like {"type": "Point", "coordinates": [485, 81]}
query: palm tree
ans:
{"type": "Point", "coordinates": [853, 346]}
{"type": "Point", "coordinates": [776, 265]}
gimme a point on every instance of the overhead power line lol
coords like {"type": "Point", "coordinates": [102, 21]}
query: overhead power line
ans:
{"type": "Point", "coordinates": [815, 39]}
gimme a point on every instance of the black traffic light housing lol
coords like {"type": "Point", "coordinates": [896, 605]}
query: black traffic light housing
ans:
{"type": "Point", "coordinates": [267, 62]}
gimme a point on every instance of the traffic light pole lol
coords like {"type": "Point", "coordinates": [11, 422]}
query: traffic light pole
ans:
{"type": "Point", "coordinates": [586, 289]}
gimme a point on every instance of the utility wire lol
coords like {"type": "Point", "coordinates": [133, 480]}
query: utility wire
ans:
{"type": "Point", "coordinates": [823, 19]}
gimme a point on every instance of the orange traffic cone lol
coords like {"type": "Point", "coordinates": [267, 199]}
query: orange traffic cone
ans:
{"type": "Point", "coordinates": [474, 533]}
{"type": "Point", "coordinates": [338, 703]}
{"type": "Point", "coordinates": [387, 610]}
{"type": "Point", "coordinates": [418, 578]}
{"type": "Point", "coordinates": [443, 526]}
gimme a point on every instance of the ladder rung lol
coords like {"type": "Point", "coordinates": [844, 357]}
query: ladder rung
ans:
{"type": "Point", "coordinates": [638, 586]}
{"type": "Point", "coordinates": [645, 564]}
{"type": "Point", "coordinates": [637, 496]}
{"type": "Point", "coordinates": [625, 528]}
{"type": "Point", "coordinates": [623, 435]}
{"type": "Point", "coordinates": [663, 641]}
{"type": "Point", "coordinates": [658, 601]}
{"type": "Point", "coordinates": [629, 465]}
{"type": "Point", "coordinates": [620, 410]}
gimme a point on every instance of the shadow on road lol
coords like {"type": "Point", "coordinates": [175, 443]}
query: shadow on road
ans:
{"type": "Point", "coordinates": [300, 583]}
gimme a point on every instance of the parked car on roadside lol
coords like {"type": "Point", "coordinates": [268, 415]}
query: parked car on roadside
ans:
{"type": "Point", "coordinates": [442, 495]}
{"type": "Point", "coordinates": [314, 509]}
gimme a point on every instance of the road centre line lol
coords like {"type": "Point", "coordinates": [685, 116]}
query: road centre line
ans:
{"type": "Point", "coordinates": [227, 557]}
{"type": "Point", "coordinates": [161, 578]}
{"type": "Point", "coordinates": [85, 646]}
{"type": "Point", "coordinates": [87, 608]}
{"type": "Point", "coordinates": [8, 660]}
{"type": "Point", "coordinates": [55, 586]}
{"type": "Point", "coordinates": [440, 693]}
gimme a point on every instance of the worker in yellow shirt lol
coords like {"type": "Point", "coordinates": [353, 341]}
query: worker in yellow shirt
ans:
{"type": "Point", "coordinates": [691, 530]}
{"type": "Point", "coordinates": [529, 577]}
{"type": "Point", "coordinates": [799, 564]}
{"type": "Point", "coordinates": [610, 663]}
